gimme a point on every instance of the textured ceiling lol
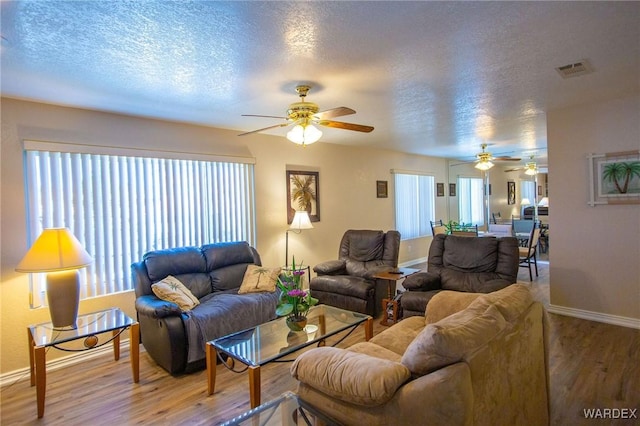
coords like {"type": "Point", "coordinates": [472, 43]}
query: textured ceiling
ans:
{"type": "Point", "coordinates": [434, 78]}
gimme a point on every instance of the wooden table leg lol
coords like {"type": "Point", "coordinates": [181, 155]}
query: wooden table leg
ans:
{"type": "Point", "coordinates": [32, 374]}
{"type": "Point", "coordinates": [368, 329]}
{"type": "Point", "coordinates": [134, 350]}
{"type": "Point", "coordinates": [116, 344]}
{"type": "Point", "coordinates": [254, 386]}
{"type": "Point", "coordinates": [41, 378]}
{"type": "Point", "coordinates": [211, 368]}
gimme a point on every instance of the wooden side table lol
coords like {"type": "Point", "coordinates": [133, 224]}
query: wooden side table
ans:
{"type": "Point", "coordinates": [88, 327]}
{"type": "Point", "coordinates": [392, 278]}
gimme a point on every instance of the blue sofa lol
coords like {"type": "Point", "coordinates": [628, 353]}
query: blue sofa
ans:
{"type": "Point", "coordinates": [213, 273]}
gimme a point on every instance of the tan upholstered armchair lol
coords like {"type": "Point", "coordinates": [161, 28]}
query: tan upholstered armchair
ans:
{"type": "Point", "coordinates": [348, 282]}
{"type": "Point", "coordinates": [473, 359]}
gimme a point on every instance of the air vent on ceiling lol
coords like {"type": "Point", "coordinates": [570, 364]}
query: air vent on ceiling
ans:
{"type": "Point", "coordinates": [574, 70]}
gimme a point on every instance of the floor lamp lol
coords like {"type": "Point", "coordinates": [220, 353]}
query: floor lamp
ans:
{"type": "Point", "coordinates": [60, 254]}
{"type": "Point", "coordinates": [300, 221]}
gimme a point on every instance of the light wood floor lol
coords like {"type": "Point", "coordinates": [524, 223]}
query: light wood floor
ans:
{"type": "Point", "coordinates": [593, 365]}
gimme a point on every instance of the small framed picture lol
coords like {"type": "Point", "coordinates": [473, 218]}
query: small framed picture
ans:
{"type": "Point", "coordinates": [381, 189]}
{"type": "Point", "coordinates": [440, 189]}
{"type": "Point", "coordinates": [511, 192]}
{"type": "Point", "coordinates": [539, 189]}
{"type": "Point", "coordinates": [452, 190]}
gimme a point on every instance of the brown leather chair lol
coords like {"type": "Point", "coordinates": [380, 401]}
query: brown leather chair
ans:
{"type": "Point", "coordinates": [469, 264]}
{"type": "Point", "coordinates": [348, 282]}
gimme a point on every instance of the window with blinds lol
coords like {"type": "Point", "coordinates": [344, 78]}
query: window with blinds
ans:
{"type": "Point", "coordinates": [123, 205]}
{"type": "Point", "coordinates": [471, 200]}
{"type": "Point", "coordinates": [414, 202]}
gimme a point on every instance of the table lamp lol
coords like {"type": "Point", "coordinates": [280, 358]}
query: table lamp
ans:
{"type": "Point", "coordinates": [60, 254]}
{"type": "Point", "coordinates": [300, 221]}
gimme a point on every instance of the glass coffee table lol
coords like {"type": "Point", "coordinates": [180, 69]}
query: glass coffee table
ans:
{"type": "Point", "coordinates": [286, 410]}
{"type": "Point", "coordinates": [273, 340]}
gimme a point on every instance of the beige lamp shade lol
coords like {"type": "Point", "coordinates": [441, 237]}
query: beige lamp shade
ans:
{"type": "Point", "coordinates": [56, 249]}
{"type": "Point", "coordinates": [300, 221]}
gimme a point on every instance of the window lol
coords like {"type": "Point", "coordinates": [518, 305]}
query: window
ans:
{"type": "Point", "coordinates": [528, 191]}
{"type": "Point", "coordinates": [414, 204]}
{"type": "Point", "coordinates": [471, 201]}
{"type": "Point", "coordinates": [123, 205]}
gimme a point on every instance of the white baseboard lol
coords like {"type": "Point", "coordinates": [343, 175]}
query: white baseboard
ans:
{"type": "Point", "coordinates": [595, 316]}
{"type": "Point", "coordinates": [65, 361]}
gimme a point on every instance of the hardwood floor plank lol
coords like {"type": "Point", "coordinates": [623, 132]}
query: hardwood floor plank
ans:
{"type": "Point", "coordinates": [593, 365]}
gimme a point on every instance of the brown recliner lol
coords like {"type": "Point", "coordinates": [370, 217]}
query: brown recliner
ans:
{"type": "Point", "coordinates": [468, 264]}
{"type": "Point", "coordinates": [348, 282]}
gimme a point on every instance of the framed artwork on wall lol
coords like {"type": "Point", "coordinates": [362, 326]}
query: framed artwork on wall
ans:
{"type": "Point", "coordinates": [381, 189]}
{"type": "Point", "coordinates": [511, 192]}
{"type": "Point", "coordinates": [452, 190]}
{"type": "Point", "coordinates": [440, 189]}
{"type": "Point", "coordinates": [615, 178]}
{"type": "Point", "coordinates": [303, 194]}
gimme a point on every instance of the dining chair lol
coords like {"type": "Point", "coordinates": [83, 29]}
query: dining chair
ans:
{"type": "Point", "coordinates": [530, 252]}
{"type": "Point", "coordinates": [522, 229]}
{"type": "Point", "coordinates": [434, 224]}
{"type": "Point", "coordinates": [439, 229]}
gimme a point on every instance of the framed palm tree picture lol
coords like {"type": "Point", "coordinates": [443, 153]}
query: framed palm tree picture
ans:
{"type": "Point", "coordinates": [303, 194]}
{"type": "Point", "coordinates": [616, 178]}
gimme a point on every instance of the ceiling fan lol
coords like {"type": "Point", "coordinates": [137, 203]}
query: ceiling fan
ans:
{"type": "Point", "coordinates": [303, 115]}
{"type": "Point", "coordinates": [484, 159]}
{"type": "Point", "coordinates": [530, 168]}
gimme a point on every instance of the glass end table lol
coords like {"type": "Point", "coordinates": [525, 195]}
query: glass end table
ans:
{"type": "Point", "coordinates": [286, 410]}
{"type": "Point", "coordinates": [89, 328]}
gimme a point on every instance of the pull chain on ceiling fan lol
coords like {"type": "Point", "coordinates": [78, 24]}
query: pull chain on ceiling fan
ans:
{"type": "Point", "coordinates": [304, 116]}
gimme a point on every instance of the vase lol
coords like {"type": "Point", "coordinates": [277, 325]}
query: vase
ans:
{"type": "Point", "coordinates": [296, 323]}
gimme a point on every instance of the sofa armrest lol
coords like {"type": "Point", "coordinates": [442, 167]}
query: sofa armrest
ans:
{"type": "Point", "coordinates": [349, 376]}
{"type": "Point", "coordinates": [331, 267]}
{"type": "Point", "coordinates": [422, 281]}
{"type": "Point", "coordinates": [152, 306]}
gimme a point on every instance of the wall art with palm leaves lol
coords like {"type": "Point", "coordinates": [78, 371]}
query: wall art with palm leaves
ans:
{"type": "Point", "coordinates": [303, 194]}
{"type": "Point", "coordinates": [616, 178]}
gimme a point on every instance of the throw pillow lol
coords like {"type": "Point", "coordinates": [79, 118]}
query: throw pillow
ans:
{"type": "Point", "coordinates": [259, 279]}
{"type": "Point", "coordinates": [171, 289]}
{"type": "Point", "coordinates": [453, 338]}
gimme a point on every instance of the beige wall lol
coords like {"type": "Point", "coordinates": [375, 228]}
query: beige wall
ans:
{"type": "Point", "coordinates": [347, 195]}
{"type": "Point", "coordinates": [594, 251]}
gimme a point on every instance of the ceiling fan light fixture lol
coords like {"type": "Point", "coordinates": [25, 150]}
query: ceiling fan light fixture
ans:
{"type": "Point", "coordinates": [484, 165]}
{"type": "Point", "coordinates": [304, 134]}
{"type": "Point", "coordinates": [531, 169]}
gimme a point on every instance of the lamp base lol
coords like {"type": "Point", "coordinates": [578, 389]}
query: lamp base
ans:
{"type": "Point", "coordinates": [63, 296]}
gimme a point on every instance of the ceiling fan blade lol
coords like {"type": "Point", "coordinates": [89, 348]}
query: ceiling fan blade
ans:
{"type": "Point", "coordinates": [334, 112]}
{"type": "Point", "coordinates": [265, 116]}
{"type": "Point", "coordinates": [506, 159]}
{"type": "Point", "coordinates": [346, 126]}
{"type": "Point", "coordinates": [265, 128]}
{"type": "Point", "coordinates": [515, 169]}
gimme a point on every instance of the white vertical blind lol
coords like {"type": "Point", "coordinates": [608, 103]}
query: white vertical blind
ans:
{"type": "Point", "coordinates": [414, 201]}
{"type": "Point", "coordinates": [120, 207]}
{"type": "Point", "coordinates": [471, 201]}
{"type": "Point", "coordinates": [528, 191]}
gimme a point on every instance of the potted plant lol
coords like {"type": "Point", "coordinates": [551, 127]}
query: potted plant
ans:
{"type": "Point", "coordinates": [294, 301]}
